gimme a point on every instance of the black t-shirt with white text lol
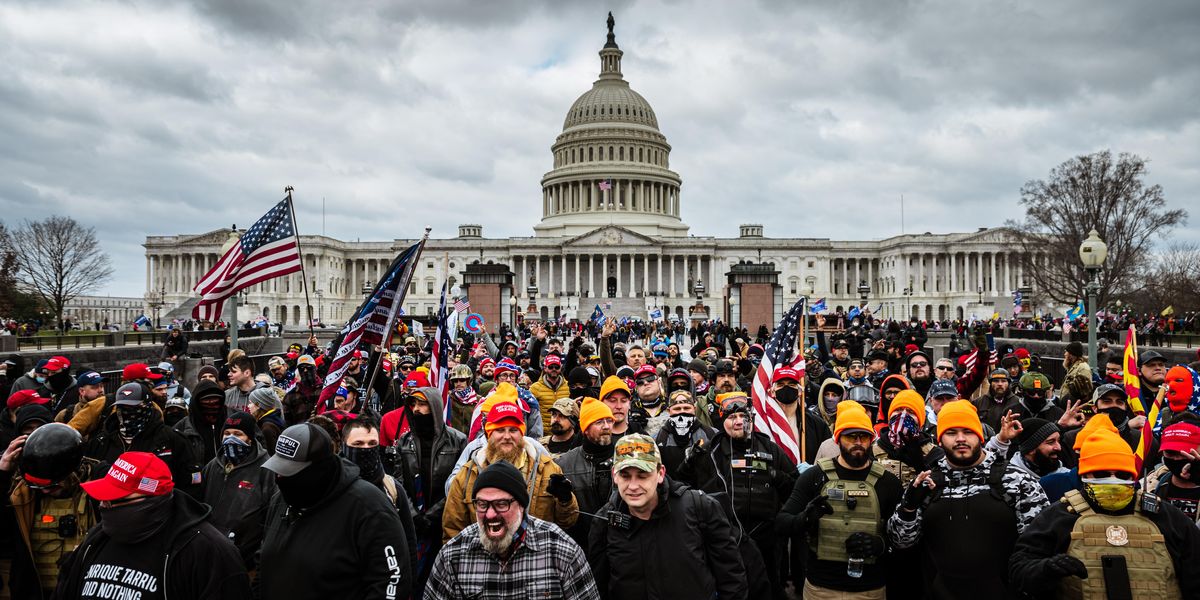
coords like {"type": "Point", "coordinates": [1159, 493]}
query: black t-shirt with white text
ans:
{"type": "Point", "coordinates": [118, 571]}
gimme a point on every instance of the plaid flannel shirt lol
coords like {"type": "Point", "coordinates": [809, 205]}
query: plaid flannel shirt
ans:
{"type": "Point", "coordinates": [547, 564]}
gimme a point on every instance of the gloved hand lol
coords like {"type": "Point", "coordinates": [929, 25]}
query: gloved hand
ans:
{"type": "Point", "coordinates": [1063, 565]}
{"type": "Point", "coordinates": [421, 523]}
{"type": "Point", "coordinates": [560, 487]}
{"type": "Point", "coordinates": [915, 495]}
{"type": "Point", "coordinates": [637, 420]}
{"type": "Point", "coordinates": [698, 448]}
{"type": "Point", "coordinates": [864, 545]}
{"type": "Point", "coordinates": [817, 508]}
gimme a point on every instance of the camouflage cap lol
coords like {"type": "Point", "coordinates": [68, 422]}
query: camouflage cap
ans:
{"type": "Point", "coordinates": [636, 450]}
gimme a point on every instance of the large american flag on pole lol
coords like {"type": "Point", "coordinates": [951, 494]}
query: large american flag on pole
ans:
{"type": "Point", "coordinates": [267, 250]}
{"type": "Point", "coordinates": [439, 368]}
{"type": "Point", "coordinates": [371, 321]}
{"type": "Point", "coordinates": [780, 352]}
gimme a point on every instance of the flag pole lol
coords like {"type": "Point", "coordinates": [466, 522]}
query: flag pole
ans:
{"type": "Point", "coordinates": [303, 273]}
{"type": "Point", "coordinates": [397, 300]}
{"type": "Point", "coordinates": [803, 379]}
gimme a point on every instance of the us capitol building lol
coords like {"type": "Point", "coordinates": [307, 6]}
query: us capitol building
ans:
{"type": "Point", "coordinates": [612, 234]}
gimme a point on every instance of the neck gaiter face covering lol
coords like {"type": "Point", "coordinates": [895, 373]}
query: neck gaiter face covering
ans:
{"type": "Point", "coordinates": [133, 419]}
{"type": "Point", "coordinates": [369, 461]}
{"type": "Point", "coordinates": [137, 522]}
{"type": "Point", "coordinates": [308, 487]}
{"type": "Point", "coordinates": [235, 450]}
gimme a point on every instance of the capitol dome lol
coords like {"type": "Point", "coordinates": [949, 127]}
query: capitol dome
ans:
{"type": "Point", "coordinates": [611, 162]}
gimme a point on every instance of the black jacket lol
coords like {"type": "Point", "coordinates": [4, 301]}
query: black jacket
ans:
{"type": "Point", "coordinates": [712, 472]}
{"type": "Point", "coordinates": [239, 498]}
{"type": "Point", "coordinates": [199, 562]}
{"type": "Point", "coordinates": [447, 445]}
{"type": "Point", "coordinates": [349, 545]}
{"type": "Point", "coordinates": [156, 438]}
{"type": "Point", "coordinates": [1050, 534]}
{"type": "Point", "coordinates": [685, 550]}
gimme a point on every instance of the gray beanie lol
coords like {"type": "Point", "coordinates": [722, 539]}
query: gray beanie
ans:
{"type": "Point", "coordinates": [266, 398]}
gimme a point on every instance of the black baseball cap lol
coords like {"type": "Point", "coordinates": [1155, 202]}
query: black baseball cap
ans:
{"type": "Point", "coordinates": [1148, 356]}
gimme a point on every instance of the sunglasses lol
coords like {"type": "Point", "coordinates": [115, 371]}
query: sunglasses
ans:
{"type": "Point", "coordinates": [646, 380]}
{"type": "Point", "coordinates": [942, 368]}
{"type": "Point", "coordinates": [918, 365]}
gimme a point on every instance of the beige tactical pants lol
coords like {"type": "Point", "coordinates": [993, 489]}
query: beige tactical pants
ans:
{"type": "Point", "coordinates": [812, 592]}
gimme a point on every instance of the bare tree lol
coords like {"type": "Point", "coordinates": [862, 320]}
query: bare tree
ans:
{"type": "Point", "coordinates": [1172, 279]}
{"type": "Point", "coordinates": [1091, 192]}
{"type": "Point", "coordinates": [59, 260]}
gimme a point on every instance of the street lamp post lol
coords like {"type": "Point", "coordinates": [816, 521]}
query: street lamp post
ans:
{"type": "Point", "coordinates": [864, 290]}
{"type": "Point", "coordinates": [980, 290]}
{"type": "Point", "coordinates": [1092, 253]}
{"type": "Point", "coordinates": [320, 306]}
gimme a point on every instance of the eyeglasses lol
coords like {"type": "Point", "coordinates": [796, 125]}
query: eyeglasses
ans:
{"type": "Point", "coordinates": [941, 367]}
{"type": "Point", "coordinates": [646, 380]}
{"type": "Point", "coordinates": [918, 365]}
{"type": "Point", "coordinates": [501, 506]}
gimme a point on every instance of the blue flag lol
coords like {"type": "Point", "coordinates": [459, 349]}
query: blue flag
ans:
{"type": "Point", "coordinates": [1076, 312]}
{"type": "Point", "coordinates": [142, 321]}
{"type": "Point", "coordinates": [597, 315]}
{"type": "Point", "coordinates": [818, 306]}
{"type": "Point", "coordinates": [854, 312]}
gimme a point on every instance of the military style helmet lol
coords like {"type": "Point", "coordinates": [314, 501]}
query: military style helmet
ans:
{"type": "Point", "coordinates": [51, 454]}
{"type": "Point", "coordinates": [460, 372]}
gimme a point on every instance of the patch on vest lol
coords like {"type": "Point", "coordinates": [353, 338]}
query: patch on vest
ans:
{"type": "Point", "coordinates": [1116, 535]}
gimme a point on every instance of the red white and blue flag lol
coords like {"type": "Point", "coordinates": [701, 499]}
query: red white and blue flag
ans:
{"type": "Point", "coordinates": [439, 368]}
{"type": "Point", "coordinates": [605, 185]}
{"type": "Point", "coordinates": [370, 323]}
{"type": "Point", "coordinates": [267, 250]}
{"type": "Point", "coordinates": [462, 305]}
{"type": "Point", "coordinates": [780, 352]}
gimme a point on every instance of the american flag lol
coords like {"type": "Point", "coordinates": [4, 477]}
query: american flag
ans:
{"type": "Point", "coordinates": [439, 367]}
{"type": "Point", "coordinates": [370, 323]}
{"type": "Point", "coordinates": [605, 185]}
{"type": "Point", "coordinates": [780, 352]}
{"type": "Point", "coordinates": [267, 250]}
{"type": "Point", "coordinates": [462, 305]}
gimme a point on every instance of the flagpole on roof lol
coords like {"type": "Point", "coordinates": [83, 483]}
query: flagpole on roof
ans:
{"type": "Point", "coordinates": [303, 274]}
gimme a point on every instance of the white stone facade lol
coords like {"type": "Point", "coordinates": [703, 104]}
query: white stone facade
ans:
{"type": "Point", "coordinates": [626, 245]}
{"type": "Point", "coordinates": [87, 311]}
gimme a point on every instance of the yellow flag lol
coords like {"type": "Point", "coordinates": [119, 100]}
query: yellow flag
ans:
{"type": "Point", "coordinates": [1168, 311]}
{"type": "Point", "coordinates": [996, 316]}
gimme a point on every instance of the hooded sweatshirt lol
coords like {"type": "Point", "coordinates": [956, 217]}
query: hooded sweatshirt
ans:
{"type": "Point", "coordinates": [828, 385]}
{"type": "Point", "coordinates": [204, 437]}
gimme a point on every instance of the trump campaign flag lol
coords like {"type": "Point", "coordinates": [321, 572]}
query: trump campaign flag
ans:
{"type": "Point", "coordinates": [269, 249]}
{"type": "Point", "coordinates": [780, 352]}
{"type": "Point", "coordinates": [373, 320]}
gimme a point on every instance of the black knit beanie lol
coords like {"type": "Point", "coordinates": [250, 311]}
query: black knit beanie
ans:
{"type": "Point", "coordinates": [503, 476]}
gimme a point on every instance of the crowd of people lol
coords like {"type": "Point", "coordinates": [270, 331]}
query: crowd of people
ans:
{"type": "Point", "coordinates": [605, 461]}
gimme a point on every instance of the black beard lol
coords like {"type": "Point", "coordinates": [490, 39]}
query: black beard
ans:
{"type": "Point", "coordinates": [970, 460]}
{"type": "Point", "coordinates": [853, 460]}
{"type": "Point", "coordinates": [1043, 465]}
{"type": "Point", "coordinates": [558, 429]}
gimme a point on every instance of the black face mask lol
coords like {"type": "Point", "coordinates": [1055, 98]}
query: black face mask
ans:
{"type": "Point", "coordinates": [787, 395]}
{"type": "Point", "coordinates": [1035, 404]}
{"type": "Point", "coordinates": [60, 381]}
{"type": "Point", "coordinates": [171, 417]}
{"type": "Point", "coordinates": [421, 424]}
{"type": "Point", "coordinates": [369, 461]}
{"type": "Point", "coordinates": [1118, 415]}
{"type": "Point", "coordinates": [136, 522]}
{"type": "Point", "coordinates": [133, 419]}
{"type": "Point", "coordinates": [308, 487]}
{"type": "Point", "coordinates": [1176, 465]}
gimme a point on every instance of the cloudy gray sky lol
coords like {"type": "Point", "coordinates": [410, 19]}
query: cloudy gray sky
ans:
{"type": "Point", "coordinates": [146, 118]}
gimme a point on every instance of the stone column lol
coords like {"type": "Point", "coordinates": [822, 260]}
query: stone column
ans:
{"type": "Point", "coordinates": [604, 274]}
{"type": "Point", "coordinates": [995, 284]}
{"type": "Point", "coordinates": [672, 259]}
{"type": "Point", "coordinates": [978, 271]}
{"type": "Point", "coordinates": [618, 258]}
{"type": "Point", "coordinates": [845, 278]}
{"type": "Point", "coordinates": [578, 277]}
{"type": "Point", "coordinates": [658, 286]}
{"type": "Point", "coordinates": [645, 274]}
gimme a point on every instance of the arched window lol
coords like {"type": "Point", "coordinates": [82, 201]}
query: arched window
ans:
{"type": "Point", "coordinates": [590, 153]}
{"type": "Point", "coordinates": [621, 154]}
{"type": "Point", "coordinates": [611, 153]}
{"type": "Point", "coordinates": [639, 155]}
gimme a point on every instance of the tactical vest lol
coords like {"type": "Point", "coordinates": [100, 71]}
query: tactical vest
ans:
{"type": "Point", "coordinates": [902, 471]}
{"type": "Point", "coordinates": [1134, 537]}
{"type": "Point", "coordinates": [855, 508]}
{"type": "Point", "coordinates": [59, 526]}
{"type": "Point", "coordinates": [753, 494]}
